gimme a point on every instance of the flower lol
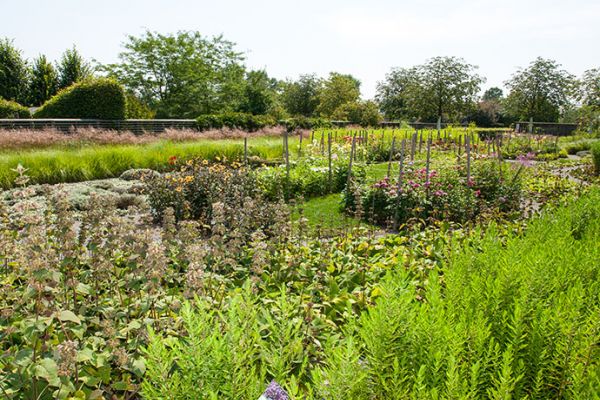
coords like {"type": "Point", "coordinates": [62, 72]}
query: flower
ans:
{"type": "Point", "coordinates": [172, 160]}
{"type": "Point", "coordinates": [274, 392]}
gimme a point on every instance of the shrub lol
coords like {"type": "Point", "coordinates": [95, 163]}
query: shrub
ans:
{"type": "Point", "coordinates": [94, 98]}
{"type": "Point", "coordinates": [235, 120]}
{"type": "Point", "coordinates": [364, 113]}
{"type": "Point", "coordinates": [596, 157]}
{"type": "Point", "coordinates": [135, 109]}
{"type": "Point", "coordinates": [12, 109]}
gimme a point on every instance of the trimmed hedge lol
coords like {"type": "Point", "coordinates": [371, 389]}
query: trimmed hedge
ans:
{"type": "Point", "coordinates": [243, 121]}
{"type": "Point", "coordinates": [99, 98]}
{"type": "Point", "coordinates": [12, 109]}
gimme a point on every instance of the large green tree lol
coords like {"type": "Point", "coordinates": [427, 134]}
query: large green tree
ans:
{"type": "Point", "coordinates": [300, 97]}
{"type": "Point", "coordinates": [259, 94]}
{"type": "Point", "coordinates": [444, 87]}
{"type": "Point", "coordinates": [589, 88]}
{"type": "Point", "coordinates": [540, 91]}
{"type": "Point", "coordinates": [13, 72]}
{"type": "Point", "coordinates": [336, 91]}
{"type": "Point", "coordinates": [182, 75]}
{"type": "Point", "coordinates": [393, 91]}
{"type": "Point", "coordinates": [72, 68]}
{"type": "Point", "coordinates": [44, 81]}
{"type": "Point", "coordinates": [447, 88]}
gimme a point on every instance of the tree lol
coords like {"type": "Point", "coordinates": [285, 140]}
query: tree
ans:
{"type": "Point", "coordinates": [447, 88]}
{"type": "Point", "coordinates": [44, 81]}
{"type": "Point", "coordinates": [337, 90]}
{"type": "Point", "coordinates": [392, 93]}
{"type": "Point", "coordinates": [540, 91]}
{"type": "Point", "coordinates": [589, 88]}
{"type": "Point", "coordinates": [13, 72]}
{"type": "Point", "coordinates": [588, 114]}
{"type": "Point", "coordinates": [444, 87]}
{"type": "Point", "coordinates": [72, 68]}
{"type": "Point", "coordinates": [364, 113]}
{"type": "Point", "coordinates": [183, 74]}
{"type": "Point", "coordinates": [301, 97]}
{"type": "Point", "coordinates": [260, 93]}
{"type": "Point", "coordinates": [493, 94]}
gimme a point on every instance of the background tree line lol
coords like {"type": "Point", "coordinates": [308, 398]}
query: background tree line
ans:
{"type": "Point", "coordinates": [185, 74]}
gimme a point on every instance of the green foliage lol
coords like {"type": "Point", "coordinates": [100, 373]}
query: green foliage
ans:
{"type": "Point", "coordinates": [235, 120]}
{"type": "Point", "coordinates": [99, 162]}
{"type": "Point", "coordinates": [259, 94]}
{"type": "Point", "coordinates": [300, 97]}
{"type": "Point", "coordinates": [500, 324]}
{"type": "Point", "coordinates": [596, 156]}
{"type": "Point", "coordinates": [363, 113]}
{"type": "Point", "coordinates": [539, 91]}
{"type": "Point", "coordinates": [181, 75]}
{"type": "Point", "coordinates": [495, 318]}
{"type": "Point", "coordinates": [44, 81]}
{"type": "Point", "coordinates": [13, 72]}
{"type": "Point", "coordinates": [11, 109]}
{"type": "Point", "coordinates": [443, 87]}
{"type": "Point", "coordinates": [337, 90]}
{"type": "Point", "coordinates": [135, 109]}
{"type": "Point", "coordinates": [72, 68]}
{"type": "Point", "coordinates": [95, 98]}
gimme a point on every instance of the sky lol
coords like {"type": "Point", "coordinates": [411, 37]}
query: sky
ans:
{"type": "Point", "coordinates": [362, 38]}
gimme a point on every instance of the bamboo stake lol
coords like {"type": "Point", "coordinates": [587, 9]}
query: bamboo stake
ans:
{"type": "Point", "coordinates": [391, 156]}
{"type": "Point", "coordinates": [329, 159]}
{"type": "Point", "coordinates": [468, 149]}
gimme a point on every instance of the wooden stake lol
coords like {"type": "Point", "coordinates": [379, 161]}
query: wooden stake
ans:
{"type": "Point", "coordinates": [329, 159]}
{"type": "Point", "coordinates": [468, 149]}
{"type": "Point", "coordinates": [391, 156]}
{"type": "Point", "coordinates": [246, 150]}
{"type": "Point", "coordinates": [352, 150]}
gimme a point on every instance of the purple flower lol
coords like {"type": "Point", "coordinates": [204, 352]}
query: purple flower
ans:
{"type": "Point", "coordinates": [526, 160]}
{"type": "Point", "coordinates": [274, 392]}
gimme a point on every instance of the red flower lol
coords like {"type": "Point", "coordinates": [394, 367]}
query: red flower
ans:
{"type": "Point", "coordinates": [172, 160]}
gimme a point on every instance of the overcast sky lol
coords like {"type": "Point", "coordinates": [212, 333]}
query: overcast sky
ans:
{"type": "Point", "coordinates": [363, 38]}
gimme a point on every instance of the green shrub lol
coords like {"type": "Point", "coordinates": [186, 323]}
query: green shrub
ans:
{"type": "Point", "coordinates": [94, 98]}
{"type": "Point", "coordinates": [12, 109]}
{"type": "Point", "coordinates": [209, 121]}
{"type": "Point", "coordinates": [235, 120]}
{"type": "Point", "coordinates": [596, 156]}
{"type": "Point", "coordinates": [135, 109]}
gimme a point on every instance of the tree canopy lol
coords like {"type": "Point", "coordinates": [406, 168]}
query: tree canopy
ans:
{"type": "Point", "coordinates": [44, 81]}
{"type": "Point", "coordinates": [72, 68]}
{"type": "Point", "coordinates": [183, 74]}
{"type": "Point", "coordinates": [444, 87]}
{"type": "Point", "coordinates": [13, 72]}
{"type": "Point", "coordinates": [540, 91]}
{"type": "Point", "coordinates": [300, 97]}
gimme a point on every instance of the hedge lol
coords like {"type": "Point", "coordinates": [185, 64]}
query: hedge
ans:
{"type": "Point", "coordinates": [248, 122]}
{"type": "Point", "coordinates": [99, 98]}
{"type": "Point", "coordinates": [12, 109]}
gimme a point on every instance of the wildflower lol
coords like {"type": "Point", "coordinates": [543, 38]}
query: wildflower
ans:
{"type": "Point", "coordinates": [172, 160]}
{"type": "Point", "coordinates": [274, 392]}
{"type": "Point", "coordinates": [477, 193]}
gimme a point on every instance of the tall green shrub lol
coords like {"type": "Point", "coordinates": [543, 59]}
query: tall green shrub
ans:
{"type": "Point", "coordinates": [12, 109]}
{"type": "Point", "coordinates": [95, 98]}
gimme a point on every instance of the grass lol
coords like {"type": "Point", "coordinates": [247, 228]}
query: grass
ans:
{"type": "Point", "coordinates": [108, 161]}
